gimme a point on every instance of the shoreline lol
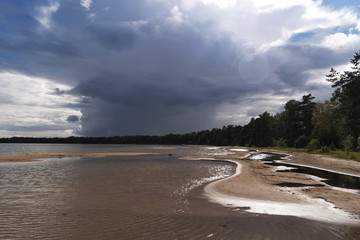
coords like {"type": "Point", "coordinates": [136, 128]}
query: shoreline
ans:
{"type": "Point", "coordinates": [258, 190]}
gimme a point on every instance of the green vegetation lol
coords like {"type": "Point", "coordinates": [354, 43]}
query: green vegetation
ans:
{"type": "Point", "coordinates": [313, 145]}
{"type": "Point", "coordinates": [344, 154]}
{"type": "Point", "coordinates": [305, 125]}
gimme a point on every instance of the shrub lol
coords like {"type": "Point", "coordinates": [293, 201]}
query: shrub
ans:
{"type": "Point", "coordinates": [332, 146]}
{"type": "Point", "coordinates": [313, 145]}
{"type": "Point", "coordinates": [347, 143]}
{"type": "Point", "coordinates": [325, 149]}
{"type": "Point", "coordinates": [301, 141]}
{"type": "Point", "coordinates": [280, 143]}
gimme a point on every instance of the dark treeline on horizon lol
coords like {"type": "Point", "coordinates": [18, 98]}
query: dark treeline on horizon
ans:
{"type": "Point", "coordinates": [303, 123]}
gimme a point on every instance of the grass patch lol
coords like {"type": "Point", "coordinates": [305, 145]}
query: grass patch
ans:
{"type": "Point", "coordinates": [343, 154]}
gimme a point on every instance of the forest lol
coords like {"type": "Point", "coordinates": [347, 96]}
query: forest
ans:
{"type": "Point", "coordinates": [304, 123]}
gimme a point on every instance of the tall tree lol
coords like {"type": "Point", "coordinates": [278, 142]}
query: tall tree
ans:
{"type": "Point", "coordinates": [307, 107]}
{"type": "Point", "coordinates": [347, 94]}
{"type": "Point", "coordinates": [292, 122]}
{"type": "Point", "coordinates": [263, 136]}
{"type": "Point", "coordinates": [327, 124]}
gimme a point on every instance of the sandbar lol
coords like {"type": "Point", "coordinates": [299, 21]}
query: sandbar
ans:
{"type": "Point", "coordinates": [38, 157]}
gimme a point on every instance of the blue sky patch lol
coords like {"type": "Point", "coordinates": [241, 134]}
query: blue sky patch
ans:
{"type": "Point", "coordinates": [336, 4]}
{"type": "Point", "coordinates": [301, 37]}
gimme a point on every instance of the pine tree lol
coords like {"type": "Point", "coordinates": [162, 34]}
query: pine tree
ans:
{"type": "Point", "coordinates": [347, 94]}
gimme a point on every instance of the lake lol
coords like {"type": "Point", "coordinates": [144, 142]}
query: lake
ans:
{"type": "Point", "coordinates": [158, 196]}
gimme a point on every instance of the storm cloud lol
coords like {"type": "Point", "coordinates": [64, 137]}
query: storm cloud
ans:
{"type": "Point", "coordinates": [72, 118]}
{"type": "Point", "coordinates": [154, 66]}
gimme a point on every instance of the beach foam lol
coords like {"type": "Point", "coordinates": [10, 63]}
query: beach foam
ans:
{"type": "Point", "coordinates": [239, 150]}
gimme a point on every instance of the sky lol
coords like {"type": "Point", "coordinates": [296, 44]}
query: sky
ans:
{"type": "Point", "coordinates": [109, 67]}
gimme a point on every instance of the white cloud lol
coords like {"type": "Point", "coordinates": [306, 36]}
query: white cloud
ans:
{"type": "Point", "coordinates": [223, 4]}
{"type": "Point", "coordinates": [31, 105]}
{"type": "Point", "coordinates": [248, 107]}
{"type": "Point", "coordinates": [176, 15]}
{"type": "Point", "coordinates": [176, 19]}
{"type": "Point", "coordinates": [21, 133]}
{"type": "Point", "coordinates": [86, 4]}
{"type": "Point", "coordinates": [341, 41]}
{"type": "Point", "coordinates": [263, 24]}
{"type": "Point", "coordinates": [260, 24]}
{"type": "Point", "coordinates": [45, 14]}
{"type": "Point", "coordinates": [318, 77]}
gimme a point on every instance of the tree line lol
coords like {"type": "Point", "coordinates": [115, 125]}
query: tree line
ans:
{"type": "Point", "coordinates": [304, 123]}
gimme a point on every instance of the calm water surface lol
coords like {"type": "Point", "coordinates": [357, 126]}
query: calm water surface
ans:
{"type": "Point", "coordinates": [143, 197]}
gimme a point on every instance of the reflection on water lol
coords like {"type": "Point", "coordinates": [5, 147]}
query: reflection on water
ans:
{"type": "Point", "coordinates": [331, 178]}
{"type": "Point", "coordinates": [147, 197]}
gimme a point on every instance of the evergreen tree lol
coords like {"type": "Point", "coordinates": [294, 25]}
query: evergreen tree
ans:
{"type": "Point", "coordinates": [307, 107]}
{"type": "Point", "coordinates": [292, 122]}
{"type": "Point", "coordinates": [264, 130]}
{"type": "Point", "coordinates": [347, 95]}
{"type": "Point", "coordinates": [327, 124]}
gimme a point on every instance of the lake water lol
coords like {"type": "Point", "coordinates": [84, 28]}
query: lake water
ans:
{"type": "Point", "coordinates": [138, 197]}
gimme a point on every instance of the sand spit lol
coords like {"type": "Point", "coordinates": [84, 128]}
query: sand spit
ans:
{"type": "Point", "coordinates": [38, 157]}
{"type": "Point", "coordinates": [257, 188]}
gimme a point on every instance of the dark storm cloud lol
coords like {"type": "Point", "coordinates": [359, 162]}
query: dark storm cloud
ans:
{"type": "Point", "coordinates": [72, 118]}
{"type": "Point", "coordinates": [116, 38]}
{"type": "Point", "coordinates": [59, 92]}
{"type": "Point", "coordinates": [35, 45]}
{"type": "Point", "coordinates": [141, 67]}
{"type": "Point", "coordinates": [293, 62]}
